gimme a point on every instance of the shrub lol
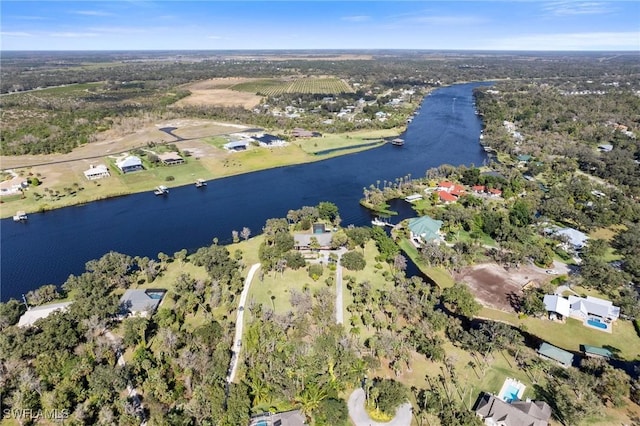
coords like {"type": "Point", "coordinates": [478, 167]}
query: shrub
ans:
{"type": "Point", "coordinates": [169, 178]}
{"type": "Point", "coordinates": [315, 271]}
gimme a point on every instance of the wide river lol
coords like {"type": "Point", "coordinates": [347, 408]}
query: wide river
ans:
{"type": "Point", "coordinates": [52, 245]}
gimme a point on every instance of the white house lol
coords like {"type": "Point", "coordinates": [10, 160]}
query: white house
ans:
{"type": "Point", "coordinates": [38, 312]}
{"type": "Point", "coordinates": [583, 308]}
{"type": "Point", "coordinates": [97, 172]}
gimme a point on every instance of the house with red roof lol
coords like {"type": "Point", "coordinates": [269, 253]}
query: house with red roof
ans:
{"type": "Point", "coordinates": [495, 192]}
{"type": "Point", "coordinates": [446, 197]}
{"type": "Point", "coordinates": [479, 189]}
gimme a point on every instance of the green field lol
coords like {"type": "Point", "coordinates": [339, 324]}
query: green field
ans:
{"type": "Point", "coordinates": [274, 87]}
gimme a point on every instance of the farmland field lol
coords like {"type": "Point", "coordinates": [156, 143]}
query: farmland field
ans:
{"type": "Point", "coordinates": [273, 87]}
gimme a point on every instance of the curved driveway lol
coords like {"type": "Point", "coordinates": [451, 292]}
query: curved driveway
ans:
{"type": "Point", "coordinates": [237, 339]}
{"type": "Point", "coordinates": [360, 417]}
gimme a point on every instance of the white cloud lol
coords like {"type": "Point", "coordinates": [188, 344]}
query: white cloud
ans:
{"type": "Point", "coordinates": [14, 34]}
{"type": "Point", "coordinates": [93, 13]}
{"type": "Point", "coordinates": [356, 18]}
{"type": "Point", "coordinates": [568, 8]}
{"type": "Point", "coordinates": [445, 20]}
{"type": "Point", "coordinates": [73, 35]}
{"type": "Point", "coordinates": [569, 41]}
{"type": "Point", "coordinates": [118, 30]}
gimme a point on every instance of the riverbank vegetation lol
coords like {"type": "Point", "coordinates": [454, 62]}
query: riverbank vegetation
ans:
{"type": "Point", "coordinates": [410, 339]}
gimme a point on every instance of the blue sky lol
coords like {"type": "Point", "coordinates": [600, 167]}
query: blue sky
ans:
{"type": "Point", "coordinates": [221, 25]}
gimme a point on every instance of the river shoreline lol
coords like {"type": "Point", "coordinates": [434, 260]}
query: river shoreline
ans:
{"type": "Point", "coordinates": [50, 246]}
{"type": "Point", "coordinates": [78, 196]}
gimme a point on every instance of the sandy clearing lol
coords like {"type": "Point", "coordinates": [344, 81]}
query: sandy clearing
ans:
{"type": "Point", "coordinates": [220, 97]}
{"type": "Point", "coordinates": [495, 287]}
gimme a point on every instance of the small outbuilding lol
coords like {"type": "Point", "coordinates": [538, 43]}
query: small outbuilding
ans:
{"type": "Point", "coordinates": [596, 352]}
{"type": "Point", "coordinates": [239, 145]}
{"type": "Point", "coordinates": [560, 356]}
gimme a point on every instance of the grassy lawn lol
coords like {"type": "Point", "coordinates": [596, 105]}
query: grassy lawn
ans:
{"type": "Point", "coordinates": [343, 140]}
{"type": "Point", "coordinates": [440, 276]}
{"type": "Point", "coordinates": [572, 334]}
{"type": "Point", "coordinates": [466, 237]}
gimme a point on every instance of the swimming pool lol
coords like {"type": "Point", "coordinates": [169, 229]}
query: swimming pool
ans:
{"type": "Point", "coordinates": [511, 390]}
{"type": "Point", "coordinates": [155, 294]}
{"type": "Point", "coordinates": [262, 423]}
{"type": "Point", "coordinates": [595, 322]}
{"type": "Point", "coordinates": [510, 393]}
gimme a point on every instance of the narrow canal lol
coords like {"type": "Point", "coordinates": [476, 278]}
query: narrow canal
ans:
{"type": "Point", "coordinates": [53, 245]}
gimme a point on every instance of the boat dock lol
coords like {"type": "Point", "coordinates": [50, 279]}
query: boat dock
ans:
{"type": "Point", "coordinates": [161, 190]}
{"type": "Point", "coordinates": [397, 142]}
{"type": "Point", "coordinates": [19, 216]}
{"type": "Point", "coordinates": [200, 183]}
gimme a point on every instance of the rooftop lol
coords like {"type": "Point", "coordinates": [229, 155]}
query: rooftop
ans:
{"type": "Point", "coordinates": [556, 354]}
{"type": "Point", "coordinates": [38, 312]}
{"type": "Point", "coordinates": [425, 227]}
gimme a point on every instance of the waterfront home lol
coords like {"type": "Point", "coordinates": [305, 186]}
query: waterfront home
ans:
{"type": "Point", "coordinates": [303, 241]}
{"type": "Point", "coordinates": [14, 185]}
{"type": "Point", "coordinates": [496, 412]}
{"type": "Point", "coordinates": [269, 140]}
{"type": "Point", "coordinates": [97, 172]}
{"type": "Point", "coordinates": [141, 303]}
{"type": "Point", "coordinates": [170, 158]}
{"type": "Point", "coordinates": [552, 353]}
{"type": "Point", "coordinates": [130, 164]}
{"type": "Point", "coordinates": [35, 313]}
{"type": "Point", "coordinates": [425, 229]}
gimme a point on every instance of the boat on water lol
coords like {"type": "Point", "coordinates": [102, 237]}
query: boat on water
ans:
{"type": "Point", "coordinates": [19, 216]}
{"type": "Point", "coordinates": [161, 190]}
{"type": "Point", "coordinates": [377, 222]}
{"type": "Point", "coordinates": [200, 183]}
{"type": "Point", "coordinates": [397, 142]}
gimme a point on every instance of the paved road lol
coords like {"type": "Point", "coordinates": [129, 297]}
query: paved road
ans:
{"type": "Point", "coordinates": [360, 417]}
{"type": "Point", "coordinates": [237, 339]}
{"type": "Point", "coordinates": [339, 298]}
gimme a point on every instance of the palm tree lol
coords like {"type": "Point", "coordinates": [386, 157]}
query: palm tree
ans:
{"type": "Point", "coordinates": [310, 399]}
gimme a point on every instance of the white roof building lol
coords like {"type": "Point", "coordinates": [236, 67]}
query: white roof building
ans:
{"type": "Point", "coordinates": [582, 307]}
{"type": "Point", "coordinates": [97, 172]}
{"type": "Point", "coordinates": [130, 163]}
{"type": "Point", "coordinates": [38, 312]}
{"type": "Point", "coordinates": [557, 304]}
